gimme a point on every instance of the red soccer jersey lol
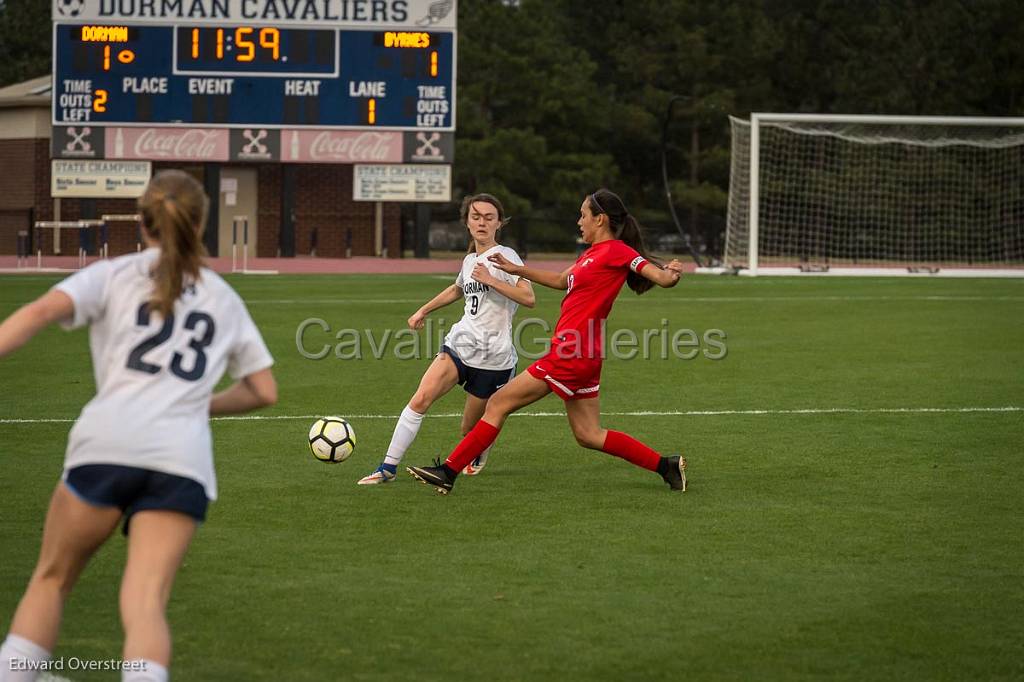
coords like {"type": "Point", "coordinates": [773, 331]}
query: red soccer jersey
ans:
{"type": "Point", "coordinates": [594, 282]}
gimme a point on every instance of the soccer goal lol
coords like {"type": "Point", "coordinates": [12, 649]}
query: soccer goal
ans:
{"type": "Point", "coordinates": [876, 195]}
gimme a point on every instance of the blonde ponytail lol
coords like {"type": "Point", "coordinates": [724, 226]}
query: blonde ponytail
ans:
{"type": "Point", "coordinates": [174, 209]}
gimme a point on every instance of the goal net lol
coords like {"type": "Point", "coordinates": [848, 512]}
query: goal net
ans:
{"type": "Point", "coordinates": [876, 195]}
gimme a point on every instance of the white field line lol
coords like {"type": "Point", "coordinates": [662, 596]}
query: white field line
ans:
{"type": "Point", "coordinates": [643, 413]}
{"type": "Point", "coordinates": [662, 299]}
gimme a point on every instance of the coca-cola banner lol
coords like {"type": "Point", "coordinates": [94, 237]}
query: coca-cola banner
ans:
{"type": "Point", "coordinates": [168, 144]}
{"type": "Point", "coordinates": [340, 146]}
{"type": "Point", "coordinates": [258, 145]}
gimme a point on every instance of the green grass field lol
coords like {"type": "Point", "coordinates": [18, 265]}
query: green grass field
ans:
{"type": "Point", "coordinates": [875, 542]}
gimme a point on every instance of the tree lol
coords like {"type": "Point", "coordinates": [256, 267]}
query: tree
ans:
{"type": "Point", "coordinates": [529, 124]}
{"type": "Point", "coordinates": [25, 40]}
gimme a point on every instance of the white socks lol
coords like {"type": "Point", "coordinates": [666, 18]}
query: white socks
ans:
{"type": "Point", "coordinates": [405, 433]}
{"type": "Point", "coordinates": [141, 670]}
{"type": "Point", "coordinates": [21, 659]}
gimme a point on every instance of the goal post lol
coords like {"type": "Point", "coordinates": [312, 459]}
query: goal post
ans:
{"type": "Point", "coordinates": [876, 195]}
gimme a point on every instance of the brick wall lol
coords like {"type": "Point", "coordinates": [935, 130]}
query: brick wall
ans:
{"type": "Point", "coordinates": [268, 184]}
{"type": "Point", "coordinates": [323, 202]}
{"type": "Point", "coordinates": [17, 181]}
{"type": "Point", "coordinates": [24, 178]}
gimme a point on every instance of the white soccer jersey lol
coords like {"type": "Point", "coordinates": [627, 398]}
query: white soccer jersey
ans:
{"type": "Point", "coordinates": [154, 377]}
{"type": "Point", "coordinates": [483, 337]}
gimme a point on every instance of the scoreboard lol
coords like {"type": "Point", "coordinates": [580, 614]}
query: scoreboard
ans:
{"type": "Point", "coordinates": [262, 74]}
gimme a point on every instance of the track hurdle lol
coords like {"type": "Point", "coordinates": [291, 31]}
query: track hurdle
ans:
{"type": "Point", "coordinates": [83, 226]}
{"type": "Point", "coordinates": [22, 249]}
{"type": "Point", "coordinates": [243, 222]}
{"type": "Point", "coordinates": [122, 218]}
{"type": "Point", "coordinates": [55, 225]}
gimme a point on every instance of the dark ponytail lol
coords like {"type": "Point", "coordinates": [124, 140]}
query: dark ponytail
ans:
{"type": "Point", "coordinates": [174, 209]}
{"type": "Point", "coordinates": [625, 227]}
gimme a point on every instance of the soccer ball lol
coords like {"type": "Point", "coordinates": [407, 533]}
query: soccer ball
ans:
{"type": "Point", "coordinates": [70, 8]}
{"type": "Point", "coordinates": [331, 439]}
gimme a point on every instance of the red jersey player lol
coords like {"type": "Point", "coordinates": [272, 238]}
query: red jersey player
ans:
{"type": "Point", "coordinates": [572, 368]}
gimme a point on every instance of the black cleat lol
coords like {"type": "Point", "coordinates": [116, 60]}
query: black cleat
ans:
{"type": "Point", "coordinates": [436, 476]}
{"type": "Point", "coordinates": [676, 474]}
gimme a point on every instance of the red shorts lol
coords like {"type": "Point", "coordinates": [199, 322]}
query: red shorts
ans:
{"type": "Point", "coordinates": [570, 378]}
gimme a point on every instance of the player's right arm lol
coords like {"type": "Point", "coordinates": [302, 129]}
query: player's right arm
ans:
{"type": "Point", "coordinates": [28, 320]}
{"type": "Point", "coordinates": [553, 280]}
{"type": "Point", "coordinates": [249, 363]}
{"type": "Point", "coordinates": [251, 392]}
{"type": "Point", "coordinates": [448, 295]}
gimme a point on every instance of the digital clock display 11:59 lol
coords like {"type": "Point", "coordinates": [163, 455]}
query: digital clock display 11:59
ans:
{"type": "Point", "coordinates": [255, 50]}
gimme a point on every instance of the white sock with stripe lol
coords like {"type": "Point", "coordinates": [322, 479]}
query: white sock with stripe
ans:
{"type": "Point", "coordinates": [405, 433]}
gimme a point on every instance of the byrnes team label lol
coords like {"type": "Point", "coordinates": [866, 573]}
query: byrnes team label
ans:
{"type": "Point", "coordinates": [257, 62]}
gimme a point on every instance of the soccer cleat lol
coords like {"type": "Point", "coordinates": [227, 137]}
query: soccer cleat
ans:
{"type": "Point", "coordinates": [436, 476]}
{"type": "Point", "coordinates": [676, 474]}
{"type": "Point", "coordinates": [476, 466]}
{"type": "Point", "coordinates": [382, 475]}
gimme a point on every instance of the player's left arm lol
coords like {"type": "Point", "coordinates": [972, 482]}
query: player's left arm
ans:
{"type": "Point", "coordinates": [521, 292]}
{"type": "Point", "coordinates": [28, 320]}
{"type": "Point", "coordinates": [667, 276]}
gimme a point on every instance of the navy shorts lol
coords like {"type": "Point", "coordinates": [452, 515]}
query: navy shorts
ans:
{"type": "Point", "coordinates": [132, 490]}
{"type": "Point", "coordinates": [482, 383]}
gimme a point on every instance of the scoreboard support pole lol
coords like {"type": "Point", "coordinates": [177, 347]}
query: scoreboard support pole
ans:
{"type": "Point", "coordinates": [378, 230]}
{"type": "Point", "coordinates": [56, 230]}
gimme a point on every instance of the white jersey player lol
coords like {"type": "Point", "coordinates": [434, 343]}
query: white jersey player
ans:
{"type": "Point", "coordinates": [482, 339]}
{"type": "Point", "coordinates": [478, 352]}
{"type": "Point", "coordinates": [162, 331]}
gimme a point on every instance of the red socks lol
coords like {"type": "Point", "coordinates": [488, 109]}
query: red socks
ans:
{"type": "Point", "coordinates": [630, 449]}
{"type": "Point", "coordinates": [479, 438]}
{"type": "Point", "coordinates": [615, 443]}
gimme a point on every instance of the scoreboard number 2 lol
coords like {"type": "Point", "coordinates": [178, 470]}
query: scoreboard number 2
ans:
{"type": "Point", "coordinates": [99, 101]}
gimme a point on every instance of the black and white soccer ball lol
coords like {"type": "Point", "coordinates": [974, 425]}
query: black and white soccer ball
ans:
{"type": "Point", "coordinates": [70, 8]}
{"type": "Point", "coordinates": [331, 439]}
